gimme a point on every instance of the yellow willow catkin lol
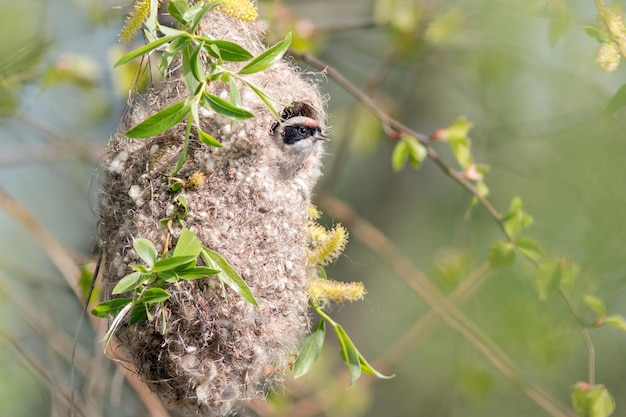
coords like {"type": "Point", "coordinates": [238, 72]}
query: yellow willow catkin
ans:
{"type": "Point", "coordinates": [327, 245]}
{"type": "Point", "coordinates": [135, 20]}
{"type": "Point", "coordinates": [320, 289]}
{"type": "Point", "coordinates": [241, 9]}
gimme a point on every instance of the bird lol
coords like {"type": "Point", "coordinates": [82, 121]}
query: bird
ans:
{"type": "Point", "coordinates": [297, 138]}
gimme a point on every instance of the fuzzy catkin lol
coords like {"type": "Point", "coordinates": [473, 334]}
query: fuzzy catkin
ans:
{"type": "Point", "coordinates": [218, 350]}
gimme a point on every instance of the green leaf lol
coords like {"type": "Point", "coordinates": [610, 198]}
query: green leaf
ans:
{"type": "Point", "coordinates": [399, 156]}
{"type": "Point", "coordinates": [195, 19]}
{"type": "Point", "coordinates": [461, 149]}
{"type": "Point", "coordinates": [596, 304]}
{"type": "Point", "coordinates": [176, 9]}
{"type": "Point", "coordinates": [197, 272]}
{"type": "Point", "coordinates": [548, 278]}
{"type": "Point", "coordinates": [568, 273]}
{"type": "Point", "coordinates": [310, 350]}
{"type": "Point", "coordinates": [516, 219]}
{"type": "Point", "coordinates": [224, 108]}
{"type": "Point", "coordinates": [188, 244]}
{"type": "Point", "coordinates": [599, 35]}
{"type": "Point", "coordinates": [146, 250]}
{"type": "Point", "coordinates": [228, 51]}
{"type": "Point", "coordinates": [264, 97]}
{"type": "Point", "coordinates": [368, 369]}
{"type": "Point", "coordinates": [501, 254]}
{"type": "Point", "coordinates": [235, 96]}
{"type": "Point", "coordinates": [154, 295]}
{"type": "Point", "coordinates": [129, 282]}
{"type": "Point", "coordinates": [617, 102]}
{"type": "Point", "coordinates": [593, 401]}
{"type": "Point", "coordinates": [161, 121]}
{"type": "Point", "coordinates": [177, 45]}
{"type": "Point", "coordinates": [143, 50]}
{"type": "Point", "coordinates": [528, 247]}
{"type": "Point", "coordinates": [192, 68]}
{"type": "Point", "coordinates": [208, 139]}
{"type": "Point", "coordinates": [110, 307]}
{"type": "Point", "coordinates": [617, 321]}
{"type": "Point", "coordinates": [228, 275]}
{"type": "Point", "coordinates": [267, 58]}
{"type": "Point", "coordinates": [349, 353]}
{"type": "Point", "coordinates": [139, 313]}
{"type": "Point", "coordinates": [417, 151]}
{"type": "Point", "coordinates": [174, 263]}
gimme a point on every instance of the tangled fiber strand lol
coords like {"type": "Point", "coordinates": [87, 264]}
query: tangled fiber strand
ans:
{"type": "Point", "coordinates": [217, 350]}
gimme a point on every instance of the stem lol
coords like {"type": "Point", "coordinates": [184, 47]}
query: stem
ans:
{"type": "Point", "coordinates": [586, 337]}
{"type": "Point", "coordinates": [398, 126]}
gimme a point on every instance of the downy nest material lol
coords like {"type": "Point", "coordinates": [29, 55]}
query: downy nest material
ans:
{"type": "Point", "coordinates": [218, 350]}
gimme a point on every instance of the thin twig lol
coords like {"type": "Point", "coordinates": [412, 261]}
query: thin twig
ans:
{"type": "Point", "coordinates": [386, 120]}
{"type": "Point", "coordinates": [591, 351]}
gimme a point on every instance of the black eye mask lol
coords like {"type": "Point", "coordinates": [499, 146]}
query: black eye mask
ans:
{"type": "Point", "coordinates": [293, 134]}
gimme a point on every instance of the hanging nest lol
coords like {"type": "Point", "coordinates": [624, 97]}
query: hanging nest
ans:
{"type": "Point", "coordinates": [218, 350]}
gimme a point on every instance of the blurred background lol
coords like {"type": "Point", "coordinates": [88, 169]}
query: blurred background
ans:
{"type": "Point", "coordinates": [523, 72]}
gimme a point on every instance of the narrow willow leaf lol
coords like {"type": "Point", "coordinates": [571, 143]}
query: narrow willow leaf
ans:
{"type": "Point", "coordinates": [399, 156]}
{"type": "Point", "coordinates": [197, 272]}
{"type": "Point", "coordinates": [175, 262]}
{"type": "Point", "coordinates": [235, 95]}
{"type": "Point", "coordinates": [224, 108]}
{"type": "Point", "coordinates": [264, 97]}
{"type": "Point", "coordinates": [176, 9]}
{"type": "Point", "coordinates": [110, 307]}
{"type": "Point", "coordinates": [369, 369]}
{"type": "Point", "coordinates": [208, 139]}
{"type": "Point", "coordinates": [143, 50]}
{"type": "Point", "coordinates": [177, 45]}
{"type": "Point", "coordinates": [596, 304]}
{"type": "Point", "coordinates": [310, 350]}
{"type": "Point", "coordinates": [190, 74]}
{"type": "Point", "coordinates": [349, 353]}
{"type": "Point", "coordinates": [597, 34]}
{"type": "Point", "coordinates": [139, 313]}
{"type": "Point", "coordinates": [145, 250]}
{"type": "Point", "coordinates": [228, 51]}
{"type": "Point", "coordinates": [161, 121]}
{"type": "Point", "coordinates": [268, 58]}
{"type": "Point", "coordinates": [183, 154]}
{"type": "Point", "coordinates": [228, 275]}
{"type": "Point", "coordinates": [501, 254]}
{"type": "Point", "coordinates": [617, 102]}
{"type": "Point", "coordinates": [154, 295]}
{"type": "Point", "coordinates": [128, 283]}
{"type": "Point", "coordinates": [197, 17]}
{"type": "Point", "coordinates": [188, 244]}
{"type": "Point", "coordinates": [528, 247]}
{"type": "Point", "coordinates": [196, 64]}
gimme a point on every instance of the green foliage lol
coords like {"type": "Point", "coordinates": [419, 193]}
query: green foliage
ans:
{"type": "Point", "coordinates": [593, 401]}
{"type": "Point", "coordinates": [350, 355]}
{"type": "Point", "coordinates": [408, 149]}
{"type": "Point", "coordinates": [310, 350]}
{"type": "Point", "coordinates": [147, 283]}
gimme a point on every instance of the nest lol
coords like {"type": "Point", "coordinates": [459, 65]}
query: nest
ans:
{"type": "Point", "coordinates": [217, 350]}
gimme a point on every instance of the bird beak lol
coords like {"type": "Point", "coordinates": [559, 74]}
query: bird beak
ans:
{"type": "Point", "coordinates": [321, 136]}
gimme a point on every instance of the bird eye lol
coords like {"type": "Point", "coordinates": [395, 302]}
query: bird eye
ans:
{"type": "Point", "coordinates": [302, 130]}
